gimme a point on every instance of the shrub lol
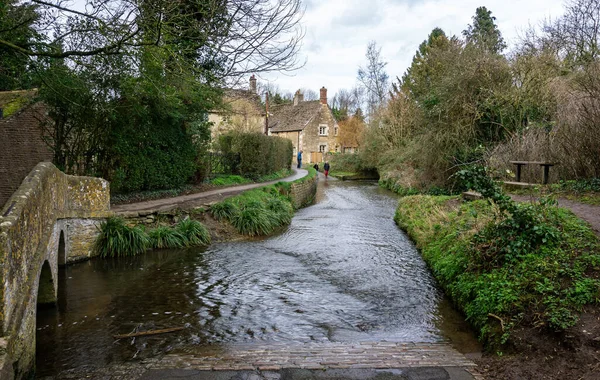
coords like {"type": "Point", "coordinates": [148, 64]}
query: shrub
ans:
{"type": "Point", "coordinates": [193, 232]}
{"type": "Point", "coordinates": [117, 239]}
{"type": "Point", "coordinates": [259, 154]}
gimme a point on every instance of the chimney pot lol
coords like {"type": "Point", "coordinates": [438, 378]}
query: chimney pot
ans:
{"type": "Point", "coordinates": [323, 95]}
{"type": "Point", "coordinates": [253, 84]}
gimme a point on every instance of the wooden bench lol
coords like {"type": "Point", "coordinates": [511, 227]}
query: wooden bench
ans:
{"type": "Point", "coordinates": [545, 165]}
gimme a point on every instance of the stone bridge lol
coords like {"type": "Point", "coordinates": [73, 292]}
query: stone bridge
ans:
{"type": "Point", "coordinates": [49, 221]}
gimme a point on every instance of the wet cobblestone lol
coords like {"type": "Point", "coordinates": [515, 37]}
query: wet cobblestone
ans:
{"type": "Point", "coordinates": [276, 357]}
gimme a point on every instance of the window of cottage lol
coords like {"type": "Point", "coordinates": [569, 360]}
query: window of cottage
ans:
{"type": "Point", "coordinates": [322, 148]}
{"type": "Point", "coordinates": [322, 130]}
{"type": "Point", "coordinates": [335, 131]}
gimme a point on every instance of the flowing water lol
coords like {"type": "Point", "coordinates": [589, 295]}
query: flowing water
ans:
{"type": "Point", "coordinates": [342, 272]}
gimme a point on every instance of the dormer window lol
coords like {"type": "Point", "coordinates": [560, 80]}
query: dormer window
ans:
{"type": "Point", "coordinates": [323, 130]}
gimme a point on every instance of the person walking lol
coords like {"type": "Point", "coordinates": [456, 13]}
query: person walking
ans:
{"type": "Point", "coordinates": [299, 159]}
{"type": "Point", "coordinates": [316, 166]}
{"type": "Point", "coordinates": [326, 168]}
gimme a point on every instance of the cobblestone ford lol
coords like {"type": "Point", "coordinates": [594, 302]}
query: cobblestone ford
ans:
{"type": "Point", "coordinates": [367, 360]}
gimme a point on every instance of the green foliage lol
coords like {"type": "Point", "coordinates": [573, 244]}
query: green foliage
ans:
{"type": "Point", "coordinates": [350, 162]}
{"type": "Point", "coordinates": [395, 186]}
{"type": "Point", "coordinates": [229, 180]}
{"type": "Point", "coordinates": [193, 232]}
{"type": "Point", "coordinates": [256, 212]}
{"type": "Point", "coordinates": [224, 210]}
{"type": "Point", "coordinates": [166, 237]}
{"type": "Point", "coordinates": [520, 229]}
{"type": "Point", "coordinates": [260, 155]}
{"type": "Point", "coordinates": [16, 26]}
{"type": "Point", "coordinates": [117, 239]}
{"type": "Point", "coordinates": [545, 286]}
{"type": "Point", "coordinates": [484, 33]}
{"type": "Point", "coordinates": [579, 186]}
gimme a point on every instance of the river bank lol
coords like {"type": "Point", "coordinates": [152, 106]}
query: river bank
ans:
{"type": "Point", "coordinates": [537, 312]}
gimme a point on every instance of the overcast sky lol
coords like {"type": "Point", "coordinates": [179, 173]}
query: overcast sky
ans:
{"type": "Point", "coordinates": [338, 31]}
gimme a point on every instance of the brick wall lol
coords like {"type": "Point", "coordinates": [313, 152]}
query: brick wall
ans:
{"type": "Point", "coordinates": [21, 148]}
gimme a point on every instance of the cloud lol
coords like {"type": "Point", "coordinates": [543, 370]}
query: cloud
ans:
{"type": "Point", "coordinates": [357, 16]}
{"type": "Point", "coordinates": [338, 31]}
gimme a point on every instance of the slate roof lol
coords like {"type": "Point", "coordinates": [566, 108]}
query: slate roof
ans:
{"type": "Point", "coordinates": [231, 95]}
{"type": "Point", "coordinates": [287, 117]}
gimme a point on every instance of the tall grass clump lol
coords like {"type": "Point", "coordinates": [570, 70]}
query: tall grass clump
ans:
{"type": "Point", "coordinates": [224, 210]}
{"type": "Point", "coordinates": [256, 212]}
{"type": "Point", "coordinates": [281, 210]}
{"type": "Point", "coordinates": [116, 239]}
{"type": "Point", "coordinates": [166, 237]}
{"type": "Point", "coordinates": [193, 232]}
{"type": "Point", "coordinates": [253, 220]}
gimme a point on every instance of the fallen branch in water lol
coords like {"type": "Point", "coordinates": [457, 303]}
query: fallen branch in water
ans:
{"type": "Point", "coordinates": [149, 332]}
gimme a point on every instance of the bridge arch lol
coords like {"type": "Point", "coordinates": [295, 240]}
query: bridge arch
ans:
{"type": "Point", "coordinates": [47, 289]}
{"type": "Point", "coordinates": [62, 251]}
{"type": "Point", "coordinates": [50, 220]}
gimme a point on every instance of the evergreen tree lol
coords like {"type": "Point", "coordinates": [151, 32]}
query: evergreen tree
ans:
{"type": "Point", "coordinates": [419, 77]}
{"type": "Point", "coordinates": [484, 32]}
{"type": "Point", "coordinates": [16, 26]}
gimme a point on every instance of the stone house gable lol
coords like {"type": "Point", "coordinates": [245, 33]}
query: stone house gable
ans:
{"type": "Point", "coordinates": [310, 126]}
{"type": "Point", "coordinates": [241, 111]}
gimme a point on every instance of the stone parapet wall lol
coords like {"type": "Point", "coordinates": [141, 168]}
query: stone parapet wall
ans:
{"type": "Point", "coordinates": [303, 191]}
{"type": "Point", "coordinates": [47, 203]}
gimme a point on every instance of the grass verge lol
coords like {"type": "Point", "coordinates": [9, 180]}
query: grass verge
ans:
{"type": "Point", "coordinates": [496, 284]}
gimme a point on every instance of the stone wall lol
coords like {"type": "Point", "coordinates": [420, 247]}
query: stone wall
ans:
{"type": "Point", "coordinates": [303, 191]}
{"type": "Point", "coordinates": [21, 148]}
{"type": "Point", "coordinates": [47, 203]}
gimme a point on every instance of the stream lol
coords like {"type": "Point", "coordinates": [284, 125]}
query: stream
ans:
{"type": "Point", "coordinates": [342, 272]}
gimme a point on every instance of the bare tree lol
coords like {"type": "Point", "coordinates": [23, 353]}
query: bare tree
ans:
{"type": "Point", "coordinates": [347, 101]}
{"type": "Point", "coordinates": [576, 34]}
{"type": "Point", "coordinates": [374, 78]}
{"type": "Point", "coordinates": [240, 36]}
{"type": "Point", "coordinates": [309, 94]}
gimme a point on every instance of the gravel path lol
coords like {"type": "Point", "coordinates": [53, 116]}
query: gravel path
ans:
{"type": "Point", "coordinates": [199, 199]}
{"type": "Point", "coordinates": [589, 213]}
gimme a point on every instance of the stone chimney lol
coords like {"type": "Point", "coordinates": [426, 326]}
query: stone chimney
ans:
{"type": "Point", "coordinates": [298, 97]}
{"type": "Point", "coordinates": [253, 84]}
{"type": "Point", "coordinates": [323, 95]}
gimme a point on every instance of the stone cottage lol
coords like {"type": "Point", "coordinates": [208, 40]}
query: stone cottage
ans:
{"type": "Point", "coordinates": [310, 126]}
{"type": "Point", "coordinates": [242, 111]}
